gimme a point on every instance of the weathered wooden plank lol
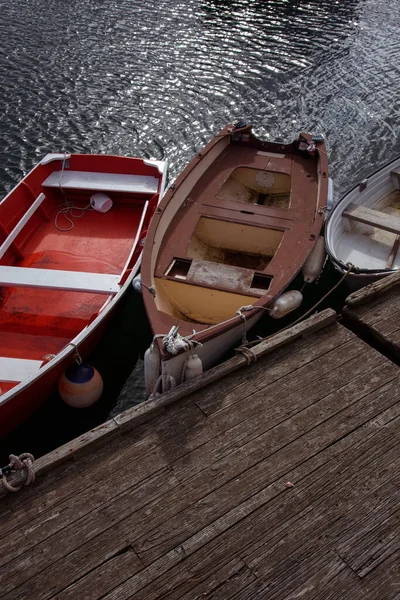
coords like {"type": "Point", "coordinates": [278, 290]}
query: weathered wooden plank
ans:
{"type": "Point", "coordinates": [369, 216]}
{"type": "Point", "coordinates": [378, 322]}
{"type": "Point", "coordinates": [279, 568]}
{"type": "Point", "coordinates": [304, 578]}
{"type": "Point", "coordinates": [64, 454]}
{"type": "Point", "coordinates": [106, 577]}
{"type": "Point", "coordinates": [260, 459]}
{"type": "Point", "coordinates": [88, 510]}
{"type": "Point", "coordinates": [211, 546]}
{"type": "Point", "coordinates": [66, 539]}
{"type": "Point", "coordinates": [375, 537]}
{"type": "Point", "coordinates": [148, 410]}
{"type": "Point", "coordinates": [262, 373]}
{"type": "Point", "coordinates": [374, 290]}
{"type": "Point", "coordinates": [270, 344]}
{"type": "Point", "coordinates": [318, 527]}
{"type": "Point", "coordinates": [121, 466]}
{"type": "Point", "coordinates": [322, 372]}
{"type": "Point", "coordinates": [247, 524]}
{"type": "Point", "coordinates": [233, 518]}
{"type": "Point", "coordinates": [266, 409]}
{"type": "Point", "coordinates": [381, 308]}
{"type": "Point", "coordinates": [180, 446]}
{"type": "Point", "coordinates": [383, 584]}
{"type": "Point", "coordinates": [79, 557]}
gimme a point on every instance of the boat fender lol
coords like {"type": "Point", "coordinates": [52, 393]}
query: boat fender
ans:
{"type": "Point", "coordinates": [287, 302]}
{"type": "Point", "coordinates": [193, 367]}
{"type": "Point", "coordinates": [137, 284]}
{"type": "Point", "coordinates": [151, 368]}
{"type": "Point", "coordinates": [313, 266]}
{"type": "Point", "coordinates": [80, 385]}
{"type": "Point", "coordinates": [101, 202]}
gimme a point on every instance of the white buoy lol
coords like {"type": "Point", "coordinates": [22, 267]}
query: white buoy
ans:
{"type": "Point", "coordinates": [313, 266]}
{"type": "Point", "coordinates": [151, 368]}
{"type": "Point", "coordinates": [287, 302]}
{"type": "Point", "coordinates": [193, 367]}
{"type": "Point", "coordinates": [137, 284]}
{"type": "Point", "coordinates": [80, 385]}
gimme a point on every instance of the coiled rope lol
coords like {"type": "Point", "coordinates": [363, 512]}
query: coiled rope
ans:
{"type": "Point", "coordinates": [18, 463]}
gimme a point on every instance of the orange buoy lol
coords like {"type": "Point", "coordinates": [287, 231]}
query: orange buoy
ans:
{"type": "Point", "coordinates": [80, 385]}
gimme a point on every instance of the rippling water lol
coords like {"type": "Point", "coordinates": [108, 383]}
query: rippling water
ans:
{"type": "Point", "coordinates": [159, 78]}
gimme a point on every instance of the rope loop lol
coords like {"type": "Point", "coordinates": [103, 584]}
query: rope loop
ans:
{"type": "Point", "coordinates": [247, 353]}
{"type": "Point", "coordinates": [18, 463]}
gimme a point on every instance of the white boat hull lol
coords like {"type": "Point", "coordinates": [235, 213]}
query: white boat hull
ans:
{"type": "Point", "coordinates": [364, 246]}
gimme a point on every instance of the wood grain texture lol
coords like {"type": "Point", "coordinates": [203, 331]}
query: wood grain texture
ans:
{"type": "Point", "coordinates": [375, 315]}
{"type": "Point", "coordinates": [369, 216]}
{"type": "Point", "coordinates": [278, 481]}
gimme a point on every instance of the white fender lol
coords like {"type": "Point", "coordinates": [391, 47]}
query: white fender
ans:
{"type": "Point", "coordinates": [313, 266]}
{"type": "Point", "coordinates": [286, 302]}
{"type": "Point", "coordinates": [137, 284]}
{"type": "Point", "coordinates": [193, 367]}
{"type": "Point", "coordinates": [151, 368]}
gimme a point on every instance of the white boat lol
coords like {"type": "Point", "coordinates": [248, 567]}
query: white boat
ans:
{"type": "Point", "coordinates": [363, 229]}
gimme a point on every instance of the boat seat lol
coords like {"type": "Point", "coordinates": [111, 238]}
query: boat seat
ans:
{"type": "Point", "coordinates": [103, 182]}
{"type": "Point", "coordinates": [372, 217]}
{"type": "Point", "coordinates": [18, 369]}
{"type": "Point", "coordinates": [219, 276]}
{"type": "Point", "coordinates": [74, 281]}
{"type": "Point", "coordinates": [23, 221]}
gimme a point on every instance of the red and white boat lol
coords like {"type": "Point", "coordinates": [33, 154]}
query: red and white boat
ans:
{"type": "Point", "coordinates": [71, 239]}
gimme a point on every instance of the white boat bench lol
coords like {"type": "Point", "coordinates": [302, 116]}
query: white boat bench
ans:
{"type": "Point", "coordinates": [73, 281]}
{"type": "Point", "coordinates": [23, 221]}
{"type": "Point", "coordinates": [372, 217]}
{"type": "Point", "coordinates": [18, 369]}
{"type": "Point", "coordinates": [102, 182]}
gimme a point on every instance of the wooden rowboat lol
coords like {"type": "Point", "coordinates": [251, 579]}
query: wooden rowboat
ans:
{"type": "Point", "coordinates": [363, 229]}
{"type": "Point", "coordinates": [71, 238]}
{"type": "Point", "coordinates": [228, 238]}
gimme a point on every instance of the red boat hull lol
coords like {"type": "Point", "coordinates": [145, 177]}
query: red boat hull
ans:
{"type": "Point", "coordinates": [64, 266]}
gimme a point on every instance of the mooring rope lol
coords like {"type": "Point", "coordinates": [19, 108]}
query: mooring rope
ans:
{"type": "Point", "coordinates": [248, 345]}
{"type": "Point", "coordinates": [18, 463]}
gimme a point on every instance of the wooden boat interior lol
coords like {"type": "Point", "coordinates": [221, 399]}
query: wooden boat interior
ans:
{"type": "Point", "coordinates": [54, 283]}
{"type": "Point", "coordinates": [220, 251]}
{"type": "Point", "coordinates": [368, 232]}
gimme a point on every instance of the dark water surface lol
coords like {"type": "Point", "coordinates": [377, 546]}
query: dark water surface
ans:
{"type": "Point", "coordinates": [160, 78]}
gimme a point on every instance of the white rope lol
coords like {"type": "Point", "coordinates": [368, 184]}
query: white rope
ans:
{"type": "Point", "coordinates": [175, 343]}
{"type": "Point", "coordinates": [67, 207]}
{"type": "Point", "coordinates": [239, 312]}
{"type": "Point", "coordinates": [77, 356]}
{"type": "Point", "coordinates": [19, 463]}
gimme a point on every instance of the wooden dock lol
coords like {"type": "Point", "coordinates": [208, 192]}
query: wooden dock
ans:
{"type": "Point", "coordinates": [373, 312]}
{"type": "Point", "coordinates": [276, 481]}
